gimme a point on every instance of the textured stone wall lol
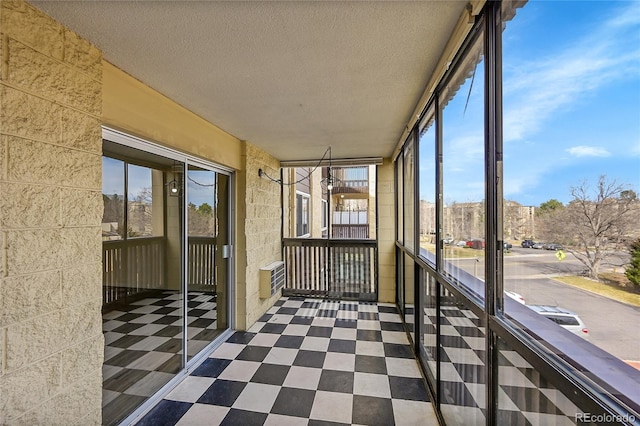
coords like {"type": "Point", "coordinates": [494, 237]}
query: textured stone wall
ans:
{"type": "Point", "coordinates": [259, 235]}
{"type": "Point", "coordinates": [51, 344]}
{"type": "Point", "coordinates": [386, 233]}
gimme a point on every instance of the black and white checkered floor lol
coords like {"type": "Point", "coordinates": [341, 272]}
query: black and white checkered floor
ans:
{"type": "Point", "coordinates": [143, 346]}
{"type": "Point", "coordinates": [306, 361]}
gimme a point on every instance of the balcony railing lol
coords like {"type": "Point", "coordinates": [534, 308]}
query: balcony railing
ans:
{"type": "Point", "coordinates": [130, 267]}
{"type": "Point", "coordinates": [351, 180]}
{"type": "Point", "coordinates": [202, 256]}
{"type": "Point", "coordinates": [354, 231]}
{"type": "Point", "coordinates": [331, 268]}
{"type": "Point", "coordinates": [136, 266]}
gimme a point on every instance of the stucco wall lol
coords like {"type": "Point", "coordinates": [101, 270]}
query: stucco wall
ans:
{"type": "Point", "coordinates": [259, 233]}
{"type": "Point", "coordinates": [51, 344]}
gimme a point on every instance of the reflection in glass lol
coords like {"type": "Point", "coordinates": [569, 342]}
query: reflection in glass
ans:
{"type": "Point", "coordinates": [429, 308]}
{"type": "Point", "coordinates": [462, 363]}
{"type": "Point", "coordinates": [426, 177]}
{"type": "Point", "coordinates": [409, 295]}
{"type": "Point", "coordinates": [526, 396]}
{"type": "Point", "coordinates": [463, 172]}
{"type": "Point", "coordinates": [408, 198]}
{"type": "Point", "coordinates": [206, 273]}
{"type": "Point", "coordinates": [142, 296]}
{"type": "Point", "coordinates": [113, 199]}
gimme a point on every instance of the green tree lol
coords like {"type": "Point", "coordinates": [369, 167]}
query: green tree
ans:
{"type": "Point", "coordinates": [205, 209]}
{"type": "Point", "coordinates": [549, 207]}
{"type": "Point", "coordinates": [633, 270]}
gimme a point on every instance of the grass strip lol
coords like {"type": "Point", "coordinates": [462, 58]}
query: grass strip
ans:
{"type": "Point", "coordinates": [602, 289]}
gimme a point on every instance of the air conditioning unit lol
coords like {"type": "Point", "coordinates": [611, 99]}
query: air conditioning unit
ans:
{"type": "Point", "coordinates": [272, 279]}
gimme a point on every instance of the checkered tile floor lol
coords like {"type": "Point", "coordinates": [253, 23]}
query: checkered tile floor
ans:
{"type": "Point", "coordinates": [525, 397]}
{"type": "Point", "coordinates": [143, 346]}
{"type": "Point", "coordinates": [306, 361]}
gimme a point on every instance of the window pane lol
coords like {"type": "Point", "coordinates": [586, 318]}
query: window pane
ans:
{"type": "Point", "coordinates": [571, 133]}
{"type": "Point", "coordinates": [140, 202]}
{"type": "Point", "coordinates": [429, 346]}
{"type": "Point", "coordinates": [399, 195]}
{"type": "Point", "coordinates": [427, 178]}
{"type": "Point", "coordinates": [462, 363]}
{"type": "Point", "coordinates": [463, 173]}
{"type": "Point", "coordinates": [113, 199]}
{"type": "Point", "coordinates": [571, 161]}
{"type": "Point", "coordinates": [409, 173]}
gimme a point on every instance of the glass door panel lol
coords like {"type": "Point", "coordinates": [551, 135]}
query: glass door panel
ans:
{"type": "Point", "coordinates": [207, 230]}
{"type": "Point", "coordinates": [142, 278]}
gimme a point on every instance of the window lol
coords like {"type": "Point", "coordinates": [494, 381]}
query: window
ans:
{"type": "Point", "coordinates": [302, 215]}
{"type": "Point", "coordinates": [463, 177]}
{"type": "Point", "coordinates": [325, 215]}
{"type": "Point", "coordinates": [426, 178]}
{"type": "Point", "coordinates": [136, 190]}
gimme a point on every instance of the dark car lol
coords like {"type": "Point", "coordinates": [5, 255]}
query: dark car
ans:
{"type": "Point", "coordinates": [527, 243]}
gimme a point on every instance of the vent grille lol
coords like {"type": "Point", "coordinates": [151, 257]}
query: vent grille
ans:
{"type": "Point", "coordinates": [272, 279]}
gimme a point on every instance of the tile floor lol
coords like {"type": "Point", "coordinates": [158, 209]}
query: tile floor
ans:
{"type": "Point", "coordinates": [306, 362]}
{"type": "Point", "coordinates": [143, 346]}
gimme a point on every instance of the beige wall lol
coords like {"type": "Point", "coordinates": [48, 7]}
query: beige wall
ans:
{"type": "Point", "coordinates": [51, 344]}
{"type": "Point", "coordinates": [259, 234]}
{"type": "Point", "coordinates": [137, 109]}
{"type": "Point", "coordinates": [386, 233]}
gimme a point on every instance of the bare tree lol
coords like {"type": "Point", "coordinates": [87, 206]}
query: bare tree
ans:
{"type": "Point", "coordinates": [595, 223]}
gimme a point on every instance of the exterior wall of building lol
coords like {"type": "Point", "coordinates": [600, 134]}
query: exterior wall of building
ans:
{"type": "Point", "coordinates": [386, 233]}
{"type": "Point", "coordinates": [131, 106]}
{"type": "Point", "coordinates": [259, 233]}
{"type": "Point", "coordinates": [51, 344]}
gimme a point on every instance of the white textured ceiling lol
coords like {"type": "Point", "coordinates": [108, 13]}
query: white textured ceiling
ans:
{"type": "Point", "coordinates": [291, 77]}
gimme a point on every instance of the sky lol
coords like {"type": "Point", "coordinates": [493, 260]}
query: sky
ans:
{"type": "Point", "coordinates": [571, 99]}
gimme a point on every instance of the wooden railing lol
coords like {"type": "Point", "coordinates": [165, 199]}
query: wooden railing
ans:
{"type": "Point", "coordinates": [202, 256]}
{"type": "Point", "coordinates": [334, 268]}
{"type": "Point", "coordinates": [138, 265]}
{"type": "Point", "coordinates": [132, 266]}
{"type": "Point", "coordinates": [354, 231]}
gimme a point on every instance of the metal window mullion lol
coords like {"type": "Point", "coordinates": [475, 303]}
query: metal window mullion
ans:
{"type": "Point", "coordinates": [493, 234]}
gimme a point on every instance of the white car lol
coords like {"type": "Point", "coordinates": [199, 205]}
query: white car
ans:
{"type": "Point", "coordinates": [564, 318]}
{"type": "Point", "coordinates": [515, 296]}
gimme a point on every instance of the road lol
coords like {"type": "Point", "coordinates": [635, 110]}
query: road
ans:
{"type": "Point", "coordinates": [613, 326]}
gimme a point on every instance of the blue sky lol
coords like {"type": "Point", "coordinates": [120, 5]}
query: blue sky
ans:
{"type": "Point", "coordinates": [571, 84]}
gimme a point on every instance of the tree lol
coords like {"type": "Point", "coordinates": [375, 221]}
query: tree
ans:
{"type": "Point", "coordinates": [549, 207]}
{"type": "Point", "coordinates": [633, 270]}
{"type": "Point", "coordinates": [594, 223]}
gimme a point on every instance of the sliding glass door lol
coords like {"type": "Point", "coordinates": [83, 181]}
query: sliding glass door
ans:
{"type": "Point", "coordinates": [166, 257]}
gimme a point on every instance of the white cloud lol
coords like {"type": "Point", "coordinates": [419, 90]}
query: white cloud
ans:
{"type": "Point", "coordinates": [537, 90]}
{"type": "Point", "coordinates": [588, 151]}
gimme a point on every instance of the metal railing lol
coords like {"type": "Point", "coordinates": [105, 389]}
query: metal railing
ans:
{"type": "Point", "coordinates": [331, 268]}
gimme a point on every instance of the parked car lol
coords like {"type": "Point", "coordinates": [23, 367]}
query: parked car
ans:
{"type": "Point", "coordinates": [538, 246]}
{"type": "Point", "coordinates": [477, 244]}
{"type": "Point", "coordinates": [507, 246]}
{"type": "Point", "coordinates": [448, 240]}
{"type": "Point", "coordinates": [552, 246]}
{"type": "Point", "coordinates": [564, 318]}
{"type": "Point", "coordinates": [515, 296]}
{"type": "Point", "coordinates": [461, 243]}
{"type": "Point", "coordinates": [527, 243]}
